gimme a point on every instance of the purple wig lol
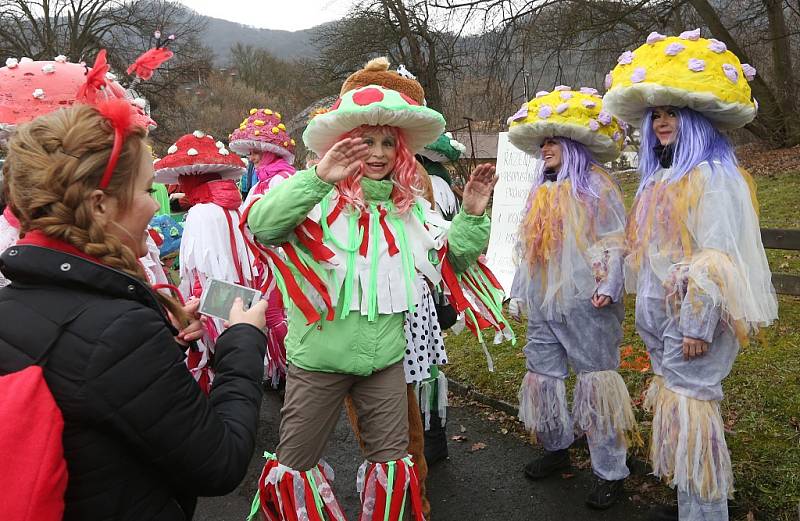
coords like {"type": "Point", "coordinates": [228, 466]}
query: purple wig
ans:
{"type": "Point", "coordinates": [576, 165]}
{"type": "Point", "coordinates": [696, 140]}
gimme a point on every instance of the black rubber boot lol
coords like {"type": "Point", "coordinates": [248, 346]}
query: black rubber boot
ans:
{"type": "Point", "coordinates": [663, 513]}
{"type": "Point", "coordinates": [435, 440]}
{"type": "Point", "coordinates": [548, 464]}
{"type": "Point", "coordinates": [605, 493]}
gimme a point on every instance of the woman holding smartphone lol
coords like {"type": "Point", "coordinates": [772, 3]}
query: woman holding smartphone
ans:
{"type": "Point", "coordinates": [140, 439]}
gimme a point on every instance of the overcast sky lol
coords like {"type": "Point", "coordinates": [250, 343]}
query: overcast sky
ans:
{"type": "Point", "coordinates": [290, 15]}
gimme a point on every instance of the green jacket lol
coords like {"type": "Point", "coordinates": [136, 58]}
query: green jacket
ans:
{"type": "Point", "coordinates": [353, 344]}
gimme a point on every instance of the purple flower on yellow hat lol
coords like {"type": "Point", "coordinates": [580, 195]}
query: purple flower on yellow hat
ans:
{"type": "Point", "coordinates": [730, 72]}
{"type": "Point", "coordinates": [674, 49]}
{"type": "Point", "coordinates": [638, 75]}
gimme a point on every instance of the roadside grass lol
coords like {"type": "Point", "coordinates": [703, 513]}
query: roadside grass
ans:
{"type": "Point", "coordinates": [762, 394]}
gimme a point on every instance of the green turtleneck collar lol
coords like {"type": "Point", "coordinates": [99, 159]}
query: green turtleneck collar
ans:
{"type": "Point", "coordinates": [376, 191]}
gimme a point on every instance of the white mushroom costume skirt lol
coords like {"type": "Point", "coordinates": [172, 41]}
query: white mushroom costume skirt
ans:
{"type": "Point", "coordinates": [695, 259]}
{"type": "Point", "coordinates": [570, 248]}
{"type": "Point", "coordinates": [213, 245]}
{"type": "Point", "coordinates": [263, 131]}
{"type": "Point", "coordinates": [350, 272]}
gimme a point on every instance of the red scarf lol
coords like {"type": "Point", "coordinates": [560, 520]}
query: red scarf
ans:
{"type": "Point", "coordinates": [209, 188]}
{"type": "Point", "coordinates": [38, 238]}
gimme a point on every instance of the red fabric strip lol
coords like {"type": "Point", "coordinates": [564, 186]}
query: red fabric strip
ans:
{"type": "Point", "coordinates": [416, 498]}
{"type": "Point", "coordinates": [295, 293]}
{"type": "Point", "coordinates": [363, 223]}
{"type": "Point", "coordinates": [289, 501]}
{"type": "Point", "coordinates": [337, 210]}
{"type": "Point", "coordinates": [397, 490]}
{"type": "Point", "coordinates": [309, 234]}
{"type": "Point", "coordinates": [489, 275]}
{"type": "Point", "coordinates": [380, 497]}
{"type": "Point", "coordinates": [311, 505]}
{"type": "Point", "coordinates": [393, 250]}
{"type": "Point", "coordinates": [234, 250]}
{"type": "Point", "coordinates": [265, 497]}
{"type": "Point", "coordinates": [311, 276]}
{"type": "Point", "coordinates": [450, 280]}
{"type": "Point", "coordinates": [260, 260]}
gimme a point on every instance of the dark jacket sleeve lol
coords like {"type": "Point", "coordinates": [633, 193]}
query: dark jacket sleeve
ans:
{"type": "Point", "coordinates": [139, 388]}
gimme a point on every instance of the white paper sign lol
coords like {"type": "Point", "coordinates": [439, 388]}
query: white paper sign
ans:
{"type": "Point", "coordinates": [515, 171]}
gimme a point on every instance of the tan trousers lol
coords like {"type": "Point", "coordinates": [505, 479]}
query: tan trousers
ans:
{"type": "Point", "coordinates": [311, 408]}
{"type": "Point", "coordinates": [416, 441]}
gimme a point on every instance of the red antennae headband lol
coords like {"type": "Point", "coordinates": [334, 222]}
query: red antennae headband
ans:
{"type": "Point", "coordinates": [119, 114]}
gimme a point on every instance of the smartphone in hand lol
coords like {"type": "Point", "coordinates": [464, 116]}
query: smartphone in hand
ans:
{"type": "Point", "coordinates": [218, 297]}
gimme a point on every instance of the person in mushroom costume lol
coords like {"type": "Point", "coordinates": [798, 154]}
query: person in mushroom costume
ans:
{"type": "Point", "coordinates": [424, 342]}
{"type": "Point", "coordinates": [262, 137]}
{"type": "Point", "coordinates": [570, 280]}
{"type": "Point", "coordinates": [694, 253]}
{"type": "Point", "coordinates": [432, 391]}
{"type": "Point", "coordinates": [212, 244]}
{"type": "Point", "coordinates": [444, 150]}
{"type": "Point", "coordinates": [29, 89]}
{"type": "Point", "coordinates": [355, 235]}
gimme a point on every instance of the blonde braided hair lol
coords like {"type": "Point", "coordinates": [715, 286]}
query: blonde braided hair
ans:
{"type": "Point", "coordinates": [54, 163]}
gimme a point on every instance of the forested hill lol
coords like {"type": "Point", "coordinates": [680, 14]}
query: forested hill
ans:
{"type": "Point", "coordinates": [220, 35]}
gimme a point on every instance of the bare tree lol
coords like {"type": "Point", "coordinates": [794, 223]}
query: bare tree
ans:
{"type": "Point", "coordinates": [575, 41]}
{"type": "Point", "coordinates": [217, 107]}
{"type": "Point", "coordinates": [405, 31]}
{"type": "Point", "coordinates": [42, 29]}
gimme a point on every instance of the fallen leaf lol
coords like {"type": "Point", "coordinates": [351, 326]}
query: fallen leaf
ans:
{"type": "Point", "coordinates": [463, 429]}
{"type": "Point", "coordinates": [567, 475]}
{"type": "Point", "coordinates": [503, 431]}
{"type": "Point", "coordinates": [751, 516]}
{"type": "Point", "coordinates": [477, 446]}
{"type": "Point", "coordinates": [458, 438]}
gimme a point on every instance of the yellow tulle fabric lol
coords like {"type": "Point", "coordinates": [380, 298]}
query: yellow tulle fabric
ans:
{"type": "Point", "coordinates": [685, 230]}
{"type": "Point", "coordinates": [569, 246]}
{"type": "Point", "coordinates": [688, 448]}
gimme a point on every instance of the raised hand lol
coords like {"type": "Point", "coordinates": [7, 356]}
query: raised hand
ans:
{"type": "Point", "coordinates": [479, 189]}
{"type": "Point", "coordinates": [342, 160]}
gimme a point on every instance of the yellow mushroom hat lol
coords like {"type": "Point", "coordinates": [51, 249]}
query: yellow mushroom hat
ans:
{"type": "Point", "coordinates": [682, 71]}
{"type": "Point", "coordinates": [577, 115]}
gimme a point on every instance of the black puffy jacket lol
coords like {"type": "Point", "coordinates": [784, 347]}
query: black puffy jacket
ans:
{"type": "Point", "coordinates": [141, 440]}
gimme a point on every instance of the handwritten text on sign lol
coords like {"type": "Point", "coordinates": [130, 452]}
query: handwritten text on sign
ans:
{"type": "Point", "coordinates": [515, 170]}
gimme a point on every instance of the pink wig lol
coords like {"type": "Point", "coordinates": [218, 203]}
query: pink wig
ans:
{"type": "Point", "coordinates": [404, 173]}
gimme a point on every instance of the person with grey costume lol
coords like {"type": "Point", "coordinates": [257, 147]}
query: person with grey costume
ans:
{"type": "Point", "coordinates": [570, 279]}
{"type": "Point", "coordinates": [694, 255]}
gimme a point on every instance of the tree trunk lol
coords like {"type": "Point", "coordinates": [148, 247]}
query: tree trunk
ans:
{"type": "Point", "coordinates": [772, 113]}
{"type": "Point", "coordinates": [782, 67]}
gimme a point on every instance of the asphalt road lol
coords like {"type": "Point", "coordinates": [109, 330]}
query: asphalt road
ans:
{"type": "Point", "coordinates": [473, 484]}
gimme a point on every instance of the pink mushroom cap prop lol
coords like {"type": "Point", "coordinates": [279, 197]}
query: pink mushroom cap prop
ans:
{"type": "Point", "coordinates": [29, 89]}
{"type": "Point", "coordinates": [198, 153]}
{"type": "Point", "coordinates": [263, 131]}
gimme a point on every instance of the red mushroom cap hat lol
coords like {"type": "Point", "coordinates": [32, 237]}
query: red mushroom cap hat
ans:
{"type": "Point", "coordinates": [198, 153]}
{"type": "Point", "coordinates": [29, 89]}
